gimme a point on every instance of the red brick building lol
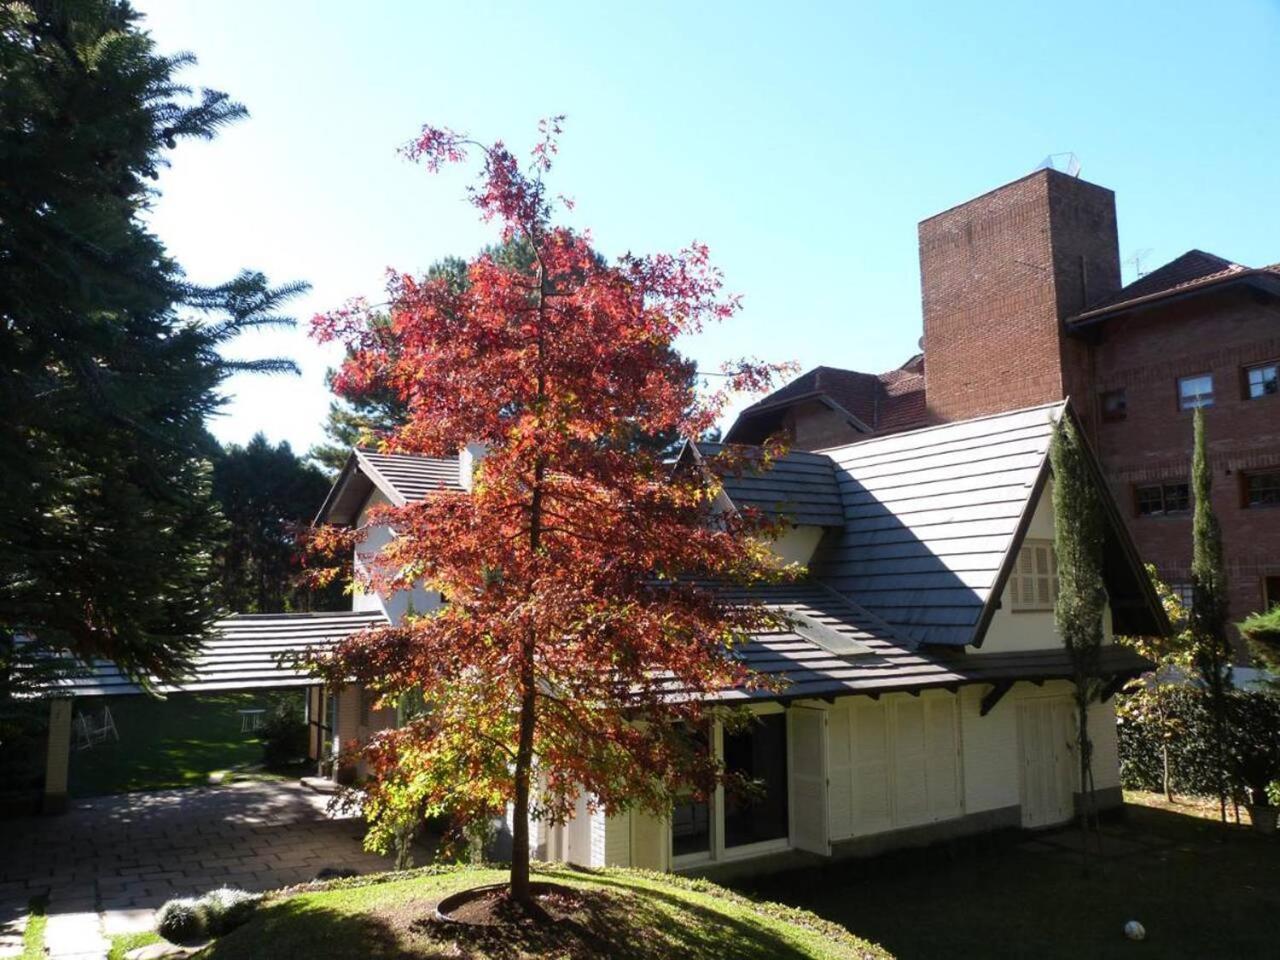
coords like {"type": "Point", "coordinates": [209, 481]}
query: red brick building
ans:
{"type": "Point", "coordinates": [1023, 304]}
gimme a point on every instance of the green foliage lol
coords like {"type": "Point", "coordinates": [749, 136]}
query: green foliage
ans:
{"type": "Point", "coordinates": [110, 356]}
{"type": "Point", "coordinates": [182, 920]}
{"type": "Point", "coordinates": [227, 908]}
{"type": "Point", "coordinates": [284, 733]}
{"type": "Point", "coordinates": [266, 494]}
{"type": "Point", "coordinates": [1252, 749]}
{"type": "Point", "coordinates": [1262, 632]}
{"type": "Point", "coordinates": [1211, 650]}
{"type": "Point", "coordinates": [1079, 536]}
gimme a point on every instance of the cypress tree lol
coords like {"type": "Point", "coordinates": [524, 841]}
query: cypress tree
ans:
{"type": "Point", "coordinates": [109, 355]}
{"type": "Point", "coordinates": [1079, 534]}
{"type": "Point", "coordinates": [1212, 649]}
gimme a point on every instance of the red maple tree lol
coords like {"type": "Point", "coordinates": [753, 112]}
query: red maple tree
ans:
{"type": "Point", "coordinates": [580, 631]}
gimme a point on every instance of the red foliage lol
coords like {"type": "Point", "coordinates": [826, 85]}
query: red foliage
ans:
{"type": "Point", "coordinates": [572, 569]}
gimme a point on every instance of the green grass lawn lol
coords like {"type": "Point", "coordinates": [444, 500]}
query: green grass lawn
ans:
{"type": "Point", "coordinates": [1200, 889]}
{"type": "Point", "coordinates": [624, 916]}
{"type": "Point", "coordinates": [175, 742]}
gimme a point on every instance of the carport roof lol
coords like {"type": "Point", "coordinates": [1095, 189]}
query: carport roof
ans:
{"type": "Point", "coordinates": [243, 652]}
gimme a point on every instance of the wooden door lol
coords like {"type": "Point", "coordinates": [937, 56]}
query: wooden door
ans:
{"type": "Point", "coordinates": [1046, 750]}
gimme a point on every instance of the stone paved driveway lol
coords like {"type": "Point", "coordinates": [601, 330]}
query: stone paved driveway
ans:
{"type": "Point", "coordinates": [107, 864]}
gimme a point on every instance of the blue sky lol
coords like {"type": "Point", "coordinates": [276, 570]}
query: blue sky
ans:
{"type": "Point", "coordinates": [802, 142]}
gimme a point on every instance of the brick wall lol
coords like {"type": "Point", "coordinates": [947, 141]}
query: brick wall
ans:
{"type": "Point", "coordinates": [1145, 354]}
{"type": "Point", "coordinates": [997, 274]}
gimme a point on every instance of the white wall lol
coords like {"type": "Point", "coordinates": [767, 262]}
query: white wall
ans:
{"type": "Point", "coordinates": [797, 544]}
{"type": "Point", "coordinates": [1012, 630]}
{"type": "Point", "coordinates": [398, 604]}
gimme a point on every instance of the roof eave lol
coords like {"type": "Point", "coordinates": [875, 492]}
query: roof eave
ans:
{"type": "Point", "coordinates": [1260, 279]}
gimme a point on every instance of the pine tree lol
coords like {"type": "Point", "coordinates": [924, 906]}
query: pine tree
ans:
{"type": "Point", "coordinates": [266, 494]}
{"type": "Point", "coordinates": [109, 354]}
{"type": "Point", "coordinates": [1079, 536]}
{"type": "Point", "coordinates": [1212, 654]}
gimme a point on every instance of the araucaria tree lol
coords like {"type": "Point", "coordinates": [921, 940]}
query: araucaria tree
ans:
{"type": "Point", "coordinates": [579, 639]}
{"type": "Point", "coordinates": [1079, 538]}
{"type": "Point", "coordinates": [109, 356]}
{"type": "Point", "coordinates": [1211, 647]}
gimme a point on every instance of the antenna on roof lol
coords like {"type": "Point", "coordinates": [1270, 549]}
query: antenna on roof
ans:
{"type": "Point", "coordinates": [1136, 259]}
{"type": "Point", "coordinates": [1067, 163]}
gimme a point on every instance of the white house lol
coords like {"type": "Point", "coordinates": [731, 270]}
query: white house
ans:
{"type": "Point", "coordinates": [926, 691]}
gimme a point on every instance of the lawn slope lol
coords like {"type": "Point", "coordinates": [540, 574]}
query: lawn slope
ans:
{"type": "Point", "coordinates": [626, 915]}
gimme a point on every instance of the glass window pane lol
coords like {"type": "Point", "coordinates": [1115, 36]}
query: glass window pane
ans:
{"type": "Point", "coordinates": [1177, 498]}
{"type": "Point", "coordinates": [691, 816]}
{"type": "Point", "coordinates": [758, 753]}
{"type": "Point", "coordinates": [1195, 391]}
{"type": "Point", "coordinates": [1150, 501]}
{"type": "Point", "coordinates": [1264, 381]}
{"type": "Point", "coordinates": [1263, 489]}
{"type": "Point", "coordinates": [691, 828]}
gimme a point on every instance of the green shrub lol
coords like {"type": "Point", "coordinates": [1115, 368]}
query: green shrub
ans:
{"type": "Point", "coordinates": [284, 733]}
{"type": "Point", "coordinates": [182, 921]}
{"type": "Point", "coordinates": [1253, 748]}
{"type": "Point", "coordinates": [227, 908]}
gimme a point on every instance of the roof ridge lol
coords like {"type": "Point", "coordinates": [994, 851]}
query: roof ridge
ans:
{"type": "Point", "coordinates": [939, 426]}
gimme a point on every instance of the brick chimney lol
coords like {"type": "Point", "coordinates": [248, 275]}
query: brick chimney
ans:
{"type": "Point", "coordinates": [998, 274]}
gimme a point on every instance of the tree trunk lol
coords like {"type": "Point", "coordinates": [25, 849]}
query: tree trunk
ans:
{"type": "Point", "coordinates": [520, 891]}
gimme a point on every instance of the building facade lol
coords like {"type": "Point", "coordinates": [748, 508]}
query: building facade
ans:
{"type": "Point", "coordinates": [1023, 304]}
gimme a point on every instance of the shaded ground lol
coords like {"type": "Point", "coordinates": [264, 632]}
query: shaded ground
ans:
{"type": "Point", "coordinates": [109, 862]}
{"type": "Point", "coordinates": [1200, 889]}
{"type": "Point", "coordinates": [619, 915]}
{"type": "Point", "coordinates": [175, 742]}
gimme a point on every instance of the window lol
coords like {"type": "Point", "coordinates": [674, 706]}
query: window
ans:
{"type": "Point", "coordinates": [1034, 584]}
{"type": "Point", "coordinates": [738, 822]}
{"type": "Point", "coordinates": [1162, 499]}
{"type": "Point", "coordinates": [1262, 489]}
{"type": "Point", "coordinates": [1185, 594]}
{"type": "Point", "coordinates": [1115, 405]}
{"type": "Point", "coordinates": [691, 816]}
{"type": "Point", "coordinates": [1262, 380]}
{"type": "Point", "coordinates": [1195, 392]}
{"type": "Point", "coordinates": [759, 755]}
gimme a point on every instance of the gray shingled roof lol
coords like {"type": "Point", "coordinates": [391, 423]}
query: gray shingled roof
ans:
{"type": "Point", "coordinates": [410, 477]}
{"type": "Point", "coordinates": [798, 486]}
{"type": "Point", "coordinates": [931, 516]}
{"type": "Point", "coordinates": [890, 663]}
{"type": "Point", "coordinates": [243, 652]}
{"type": "Point", "coordinates": [401, 477]}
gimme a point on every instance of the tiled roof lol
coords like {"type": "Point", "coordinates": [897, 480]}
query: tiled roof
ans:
{"type": "Point", "coordinates": [409, 476]}
{"type": "Point", "coordinates": [243, 652]}
{"type": "Point", "coordinates": [884, 661]}
{"type": "Point", "coordinates": [1190, 272]}
{"type": "Point", "coordinates": [931, 516]}
{"type": "Point", "coordinates": [400, 477]}
{"type": "Point", "coordinates": [883, 403]}
{"type": "Point", "coordinates": [799, 486]}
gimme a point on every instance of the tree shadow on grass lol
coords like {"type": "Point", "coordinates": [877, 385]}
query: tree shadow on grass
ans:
{"type": "Point", "coordinates": [612, 924]}
{"type": "Point", "coordinates": [297, 928]}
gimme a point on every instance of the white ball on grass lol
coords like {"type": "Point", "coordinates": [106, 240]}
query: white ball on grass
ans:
{"type": "Point", "coordinates": [1135, 931]}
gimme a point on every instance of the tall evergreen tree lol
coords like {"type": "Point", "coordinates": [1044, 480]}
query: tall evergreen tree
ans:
{"type": "Point", "coordinates": [1212, 649]}
{"type": "Point", "coordinates": [109, 355]}
{"type": "Point", "coordinates": [266, 493]}
{"type": "Point", "coordinates": [1079, 536]}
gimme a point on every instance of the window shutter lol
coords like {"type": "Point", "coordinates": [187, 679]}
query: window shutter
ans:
{"type": "Point", "coordinates": [910, 782]}
{"type": "Point", "coordinates": [870, 742]}
{"type": "Point", "coordinates": [840, 795]}
{"type": "Point", "coordinates": [943, 760]}
{"type": "Point", "coordinates": [1034, 585]}
{"type": "Point", "coordinates": [807, 759]}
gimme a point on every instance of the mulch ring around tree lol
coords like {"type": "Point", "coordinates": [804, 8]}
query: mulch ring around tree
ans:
{"type": "Point", "coordinates": [566, 921]}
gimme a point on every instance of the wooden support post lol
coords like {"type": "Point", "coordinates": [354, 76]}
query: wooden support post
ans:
{"type": "Point", "coordinates": [1114, 686]}
{"type": "Point", "coordinates": [57, 756]}
{"type": "Point", "coordinates": [994, 696]}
